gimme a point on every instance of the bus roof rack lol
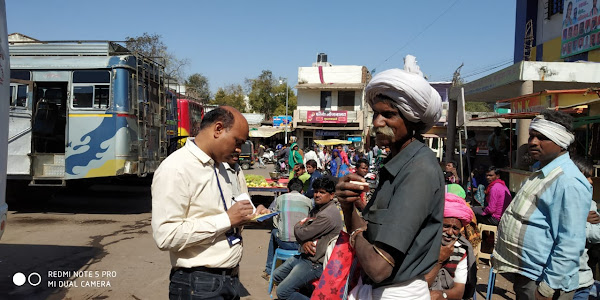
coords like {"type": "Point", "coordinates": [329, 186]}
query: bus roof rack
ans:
{"type": "Point", "coordinates": [67, 48]}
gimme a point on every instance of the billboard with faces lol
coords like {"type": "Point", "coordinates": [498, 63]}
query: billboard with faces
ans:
{"type": "Point", "coordinates": [580, 27]}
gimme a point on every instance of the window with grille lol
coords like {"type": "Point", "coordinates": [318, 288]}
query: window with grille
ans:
{"type": "Point", "coordinates": [554, 7]}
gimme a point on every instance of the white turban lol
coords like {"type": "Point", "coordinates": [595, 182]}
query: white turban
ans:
{"type": "Point", "coordinates": [552, 130]}
{"type": "Point", "coordinates": [416, 99]}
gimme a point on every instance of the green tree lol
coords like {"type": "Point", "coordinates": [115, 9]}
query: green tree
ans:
{"type": "Point", "coordinates": [478, 107]}
{"type": "Point", "coordinates": [197, 86]}
{"type": "Point", "coordinates": [232, 95]}
{"type": "Point", "coordinates": [267, 95]}
{"type": "Point", "coordinates": [152, 46]}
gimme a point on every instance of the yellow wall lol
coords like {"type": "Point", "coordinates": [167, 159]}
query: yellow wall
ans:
{"type": "Point", "coordinates": [533, 53]}
{"type": "Point", "coordinates": [594, 55]}
{"type": "Point", "coordinates": [552, 50]}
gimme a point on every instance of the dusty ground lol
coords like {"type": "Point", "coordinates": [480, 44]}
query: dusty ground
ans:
{"type": "Point", "coordinates": [104, 234]}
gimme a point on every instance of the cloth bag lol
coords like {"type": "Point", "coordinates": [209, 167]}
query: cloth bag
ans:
{"type": "Point", "coordinates": [334, 282]}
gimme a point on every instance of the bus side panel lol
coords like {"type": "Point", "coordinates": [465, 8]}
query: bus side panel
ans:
{"type": "Point", "coordinates": [183, 125]}
{"type": "Point", "coordinates": [126, 138]}
{"type": "Point", "coordinates": [91, 147]}
{"type": "Point", "coordinates": [19, 143]}
{"type": "Point", "coordinates": [4, 100]}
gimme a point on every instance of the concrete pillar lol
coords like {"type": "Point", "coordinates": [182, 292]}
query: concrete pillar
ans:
{"type": "Point", "coordinates": [451, 133]}
{"type": "Point", "coordinates": [523, 128]}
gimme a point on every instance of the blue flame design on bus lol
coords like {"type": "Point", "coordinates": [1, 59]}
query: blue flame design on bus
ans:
{"type": "Point", "coordinates": [94, 141]}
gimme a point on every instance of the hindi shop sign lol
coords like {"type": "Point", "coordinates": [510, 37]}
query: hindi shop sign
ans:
{"type": "Point", "coordinates": [334, 116]}
{"type": "Point", "coordinates": [580, 27]}
{"type": "Point", "coordinates": [535, 103]}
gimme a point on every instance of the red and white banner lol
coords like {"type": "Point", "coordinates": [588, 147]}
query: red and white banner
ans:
{"type": "Point", "coordinates": [316, 116]}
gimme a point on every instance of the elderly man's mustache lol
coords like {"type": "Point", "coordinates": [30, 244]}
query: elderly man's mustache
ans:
{"type": "Point", "coordinates": [386, 131]}
{"type": "Point", "coordinates": [449, 236]}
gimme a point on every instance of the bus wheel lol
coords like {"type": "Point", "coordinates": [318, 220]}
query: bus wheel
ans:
{"type": "Point", "coordinates": [245, 166]}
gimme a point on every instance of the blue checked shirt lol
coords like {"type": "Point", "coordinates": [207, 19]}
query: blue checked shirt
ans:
{"type": "Point", "coordinates": [542, 233]}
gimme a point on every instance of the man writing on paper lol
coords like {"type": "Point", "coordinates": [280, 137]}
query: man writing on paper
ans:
{"type": "Point", "coordinates": [194, 216]}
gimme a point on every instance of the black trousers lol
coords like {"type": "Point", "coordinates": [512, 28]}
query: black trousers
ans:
{"type": "Point", "coordinates": [525, 288]}
{"type": "Point", "coordinates": [202, 283]}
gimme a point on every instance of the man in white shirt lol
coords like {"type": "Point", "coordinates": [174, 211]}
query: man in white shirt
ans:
{"type": "Point", "coordinates": [312, 154]}
{"type": "Point", "coordinates": [194, 215]}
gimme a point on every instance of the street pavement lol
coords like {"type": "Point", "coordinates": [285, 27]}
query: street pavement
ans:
{"type": "Point", "coordinates": [97, 243]}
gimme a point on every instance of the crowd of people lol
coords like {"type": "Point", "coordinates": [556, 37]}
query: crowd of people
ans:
{"type": "Point", "coordinates": [413, 230]}
{"type": "Point", "coordinates": [337, 161]}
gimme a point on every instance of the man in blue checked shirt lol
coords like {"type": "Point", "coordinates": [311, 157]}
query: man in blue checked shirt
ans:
{"type": "Point", "coordinates": [542, 233]}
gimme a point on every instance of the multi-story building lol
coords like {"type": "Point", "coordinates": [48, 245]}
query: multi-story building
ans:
{"type": "Point", "coordinates": [557, 43]}
{"type": "Point", "coordinates": [331, 103]}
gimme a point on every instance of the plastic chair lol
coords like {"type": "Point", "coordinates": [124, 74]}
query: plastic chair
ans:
{"type": "Point", "coordinates": [489, 228]}
{"type": "Point", "coordinates": [280, 254]}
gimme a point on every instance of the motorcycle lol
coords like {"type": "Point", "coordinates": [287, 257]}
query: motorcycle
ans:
{"type": "Point", "coordinates": [282, 168]}
{"type": "Point", "coordinates": [269, 156]}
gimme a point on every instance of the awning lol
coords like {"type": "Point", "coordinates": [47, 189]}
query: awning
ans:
{"type": "Point", "coordinates": [331, 142]}
{"type": "Point", "coordinates": [507, 82]}
{"type": "Point", "coordinates": [265, 132]}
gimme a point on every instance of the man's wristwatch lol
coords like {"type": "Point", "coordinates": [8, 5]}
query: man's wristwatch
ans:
{"type": "Point", "coordinates": [444, 295]}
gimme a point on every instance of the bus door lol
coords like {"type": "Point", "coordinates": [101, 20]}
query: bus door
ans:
{"type": "Point", "coordinates": [49, 124]}
{"type": "Point", "coordinates": [19, 128]}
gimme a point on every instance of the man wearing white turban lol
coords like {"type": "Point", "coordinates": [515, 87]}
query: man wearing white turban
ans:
{"type": "Point", "coordinates": [399, 239]}
{"type": "Point", "coordinates": [541, 234]}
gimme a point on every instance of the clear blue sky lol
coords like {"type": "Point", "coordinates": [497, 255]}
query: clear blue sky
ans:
{"type": "Point", "coordinates": [228, 41]}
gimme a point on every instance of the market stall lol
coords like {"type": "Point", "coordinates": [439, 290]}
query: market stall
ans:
{"type": "Point", "coordinates": [259, 184]}
{"type": "Point", "coordinates": [582, 104]}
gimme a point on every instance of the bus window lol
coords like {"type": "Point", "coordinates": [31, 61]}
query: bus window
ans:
{"type": "Point", "coordinates": [20, 99]}
{"type": "Point", "coordinates": [20, 74]}
{"type": "Point", "coordinates": [87, 92]}
{"type": "Point", "coordinates": [94, 96]}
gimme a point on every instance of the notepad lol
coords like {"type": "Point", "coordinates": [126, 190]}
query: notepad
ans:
{"type": "Point", "coordinates": [245, 196]}
{"type": "Point", "coordinates": [263, 217]}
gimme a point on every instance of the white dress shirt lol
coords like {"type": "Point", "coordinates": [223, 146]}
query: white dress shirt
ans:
{"type": "Point", "coordinates": [312, 155]}
{"type": "Point", "coordinates": [188, 217]}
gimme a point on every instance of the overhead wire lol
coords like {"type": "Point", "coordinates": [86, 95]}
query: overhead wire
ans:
{"type": "Point", "coordinates": [418, 34]}
{"type": "Point", "coordinates": [484, 69]}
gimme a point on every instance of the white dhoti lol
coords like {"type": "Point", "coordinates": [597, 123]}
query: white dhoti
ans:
{"type": "Point", "coordinates": [415, 289]}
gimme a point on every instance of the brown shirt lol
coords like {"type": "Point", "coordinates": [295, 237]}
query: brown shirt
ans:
{"type": "Point", "coordinates": [327, 224]}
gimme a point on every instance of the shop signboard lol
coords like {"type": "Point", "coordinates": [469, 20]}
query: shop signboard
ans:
{"type": "Point", "coordinates": [327, 133]}
{"type": "Point", "coordinates": [580, 27]}
{"type": "Point", "coordinates": [280, 121]}
{"type": "Point", "coordinates": [334, 116]}
{"type": "Point", "coordinates": [534, 103]}
{"type": "Point", "coordinates": [355, 138]}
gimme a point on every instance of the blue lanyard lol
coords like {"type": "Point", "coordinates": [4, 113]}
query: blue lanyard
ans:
{"type": "Point", "coordinates": [219, 185]}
